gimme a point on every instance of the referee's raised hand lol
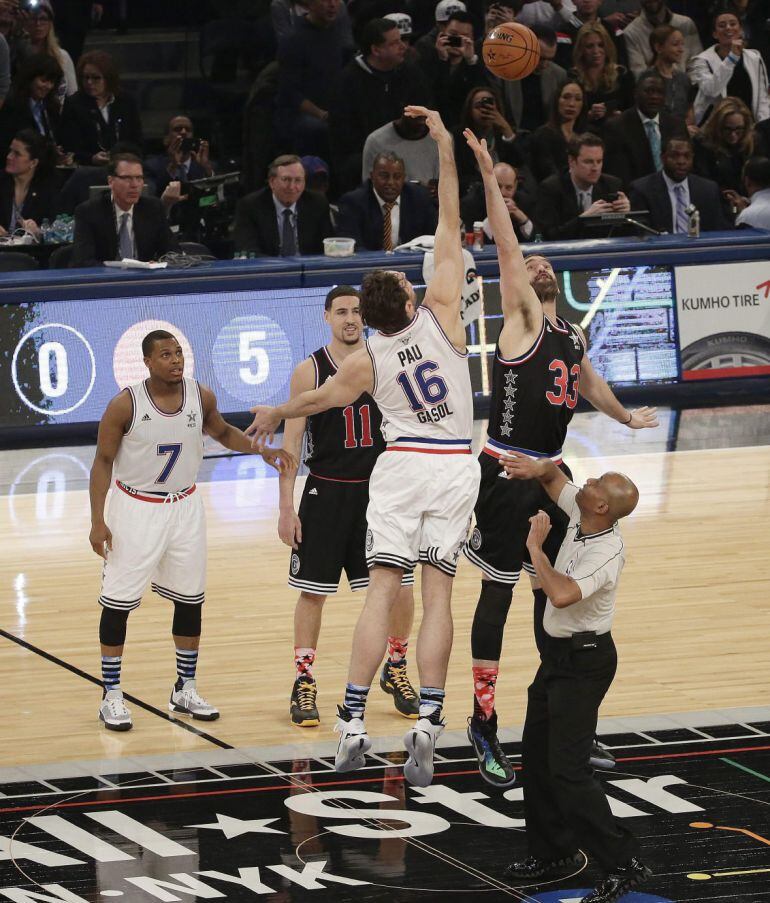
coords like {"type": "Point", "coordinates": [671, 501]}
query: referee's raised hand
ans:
{"type": "Point", "coordinates": [540, 527]}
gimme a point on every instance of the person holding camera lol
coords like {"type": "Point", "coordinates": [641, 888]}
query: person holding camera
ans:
{"type": "Point", "coordinates": [186, 158]}
{"type": "Point", "coordinates": [566, 199]}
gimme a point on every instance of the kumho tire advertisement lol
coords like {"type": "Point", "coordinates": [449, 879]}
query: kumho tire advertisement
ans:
{"type": "Point", "coordinates": [724, 320]}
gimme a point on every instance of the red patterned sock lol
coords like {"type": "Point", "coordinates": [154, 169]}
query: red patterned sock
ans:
{"type": "Point", "coordinates": [397, 647]}
{"type": "Point", "coordinates": [484, 681]}
{"type": "Point", "coordinates": [303, 659]}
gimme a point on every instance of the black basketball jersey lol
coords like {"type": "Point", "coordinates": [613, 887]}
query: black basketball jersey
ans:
{"type": "Point", "coordinates": [342, 443]}
{"type": "Point", "coordinates": [534, 395]}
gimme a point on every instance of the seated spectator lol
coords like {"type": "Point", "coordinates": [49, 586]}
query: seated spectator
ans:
{"type": "Point", "coordinates": [408, 138]}
{"type": "Point", "coordinates": [285, 14]}
{"type": "Point", "coordinates": [548, 146]}
{"type": "Point", "coordinates": [668, 194]}
{"type": "Point", "coordinates": [551, 13]}
{"type": "Point", "coordinates": [636, 137]}
{"type": "Point", "coordinates": [729, 68]}
{"type": "Point", "coordinates": [99, 114]}
{"type": "Point", "coordinates": [483, 116]}
{"type": "Point", "coordinates": [13, 44]}
{"type": "Point", "coordinates": [454, 67]}
{"type": "Point", "coordinates": [282, 219]}
{"type": "Point", "coordinates": [608, 87]}
{"type": "Point", "coordinates": [587, 13]}
{"type": "Point", "coordinates": [425, 46]}
{"type": "Point", "coordinates": [755, 211]}
{"type": "Point", "coordinates": [386, 211]}
{"type": "Point", "coordinates": [121, 223]}
{"type": "Point", "coordinates": [473, 205]}
{"type": "Point", "coordinates": [724, 144]}
{"type": "Point", "coordinates": [310, 60]}
{"type": "Point", "coordinates": [373, 89]}
{"type": "Point", "coordinates": [403, 21]}
{"type": "Point", "coordinates": [42, 39]}
{"type": "Point", "coordinates": [185, 159]}
{"type": "Point", "coordinates": [636, 35]}
{"type": "Point", "coordinates": [77, 189]}
{"type": "Point", "coordinates": [667, 44]}
{"type": "Point", "coordinates": [527, 101]}
{"type": "Point", "coordinates": [27, 192]}
{"type": "Point", "coordinates": [32, 103]}
{"type": "Point", "coordinates": [565, 199]}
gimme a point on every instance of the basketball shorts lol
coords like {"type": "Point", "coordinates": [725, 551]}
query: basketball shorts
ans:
{"type": "Point", "coordinates": [162, 544]}
{"type": "Point", "coordinates": [420, 508]}
{"type": "Point", "coordinates": [333, 518]}
{"type": "Point", "coordinates": [498, 543]}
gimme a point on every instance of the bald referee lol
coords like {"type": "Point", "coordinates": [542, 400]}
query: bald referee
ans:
{"type": "Point", "coordinates": [564, 805]}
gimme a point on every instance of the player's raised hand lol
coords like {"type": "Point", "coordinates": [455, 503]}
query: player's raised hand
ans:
{"type": "Point", "coordinates": [262, 428]}
{"type": "Point", "coordinates": [290, 528]}
{"type": "Point", "coordinates": [282, 460]}
{"type": "Point", "coordinates": [540, 527]}
{"type": "Point", "coordinates": [643, 418]}
{"type": "Point", "coordinates": [101, 540]}
{"type": "Point", "coordinates": [480, 151]}
{"type": "Point", "coordinates": [520, 467]}
{"type": "Point", "coordinates": [436, 127]}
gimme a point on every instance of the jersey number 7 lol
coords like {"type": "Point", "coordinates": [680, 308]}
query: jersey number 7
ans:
{"type": "Point", "coordinates": [173, 450]}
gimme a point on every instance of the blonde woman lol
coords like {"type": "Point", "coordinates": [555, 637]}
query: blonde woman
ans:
{"type": "Point", "coordinates": [42, 39]}
{"type": "Point", "coordinates": [608, 87]}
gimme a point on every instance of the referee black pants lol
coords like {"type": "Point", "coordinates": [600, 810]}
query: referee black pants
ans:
{"type": "Point", "coordinates": [564, 805]}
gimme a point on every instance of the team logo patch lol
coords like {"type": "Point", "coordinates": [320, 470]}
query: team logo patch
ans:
{"type": "Point", "coordinates": [476, 539]}
{"type": "Point", "coordinates": [369, 540]}
{"type": "Point", "coordinates": [294, 564]}
{"type": "Point", "coordinates": [191, 421]}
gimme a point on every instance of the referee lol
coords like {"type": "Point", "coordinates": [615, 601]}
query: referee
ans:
{"type": "Point", "coordinates": [564, 805]}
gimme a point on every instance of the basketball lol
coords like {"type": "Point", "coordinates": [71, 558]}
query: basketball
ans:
{"type": "Point", "coordinates": [511, 51]}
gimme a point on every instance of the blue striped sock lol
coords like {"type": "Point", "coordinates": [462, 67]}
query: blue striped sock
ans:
{"type": "Point", "coordinates": [355, 700]}
{"type": "Point", "coordinates": [431, 703]}
{"type": "Point", "coordinates": [111, 672]}
{"type": "Point", "coordinates": [186, 663]}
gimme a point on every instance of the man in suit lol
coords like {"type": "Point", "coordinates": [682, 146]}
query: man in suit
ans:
{"type": "Point", "coordinates": [519, 197]}
{"type": "Point", "coordinates": [283, 220]}
{"type": "Point", "coordinates": [668, 194]}
{"type": "Point", "coordinates": [564, 200]}
{"type": "Point", "coordinates": [635, 138]}
{"type": "Point", "coordinates": [386, 211]}
{"type": "Point", "coordinates": [185, 159]}
{"type": "Point", "coordinates": [121, 223]}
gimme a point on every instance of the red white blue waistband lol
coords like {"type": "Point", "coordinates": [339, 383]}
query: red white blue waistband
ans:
{"type": "Point", "coordinates": [430, 446]}
{"type": "Point", "coordinates": [496, 449]}
{"type": "Point", "coordinates": [157, 497]}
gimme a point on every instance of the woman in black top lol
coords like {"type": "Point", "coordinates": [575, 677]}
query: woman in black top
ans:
{"type": "Point", "coordinates": [667, 45]}
{"type": "Point", "coordinates": [482, 114]}
{"type": "Point", "coordinates": [33, 102]}
{"type": "Point", "coordinates": [608, 87]}
{"type": "Point", "coordinates": [725, 144]}
{"type": "Point", "coordinates": [27, 194]}
{"type": "Point", "coordinates": [548, 146]}
{"type": "Point", "coordinates": [99, 114]}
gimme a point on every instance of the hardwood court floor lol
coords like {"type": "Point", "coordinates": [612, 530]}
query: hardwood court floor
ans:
{"type": "Point", "coordinates": [691, 628]}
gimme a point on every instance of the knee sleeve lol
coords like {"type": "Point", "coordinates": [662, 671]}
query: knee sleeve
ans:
{"type": "Point", "coordinates": [489, 620]}
{"type": "Point", "coordinates": [112, 627]}
{"type": "Point", "coordinates": [187, 619]}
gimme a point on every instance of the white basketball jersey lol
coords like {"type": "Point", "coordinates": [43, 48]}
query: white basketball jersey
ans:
{"type": "Point", "coordinates": [161, 452]}
{"type": "Point", "coordinates": [422, 386]}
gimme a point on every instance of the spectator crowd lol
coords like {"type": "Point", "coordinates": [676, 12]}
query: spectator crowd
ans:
{"type": "Point", "coordinates": [640, 105]}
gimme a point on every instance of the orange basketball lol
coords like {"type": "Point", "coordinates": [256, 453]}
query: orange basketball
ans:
{"type": "Point", "coordinates": [511, 51]}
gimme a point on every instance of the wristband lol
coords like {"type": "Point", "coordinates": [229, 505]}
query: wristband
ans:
{"type": "Point", "coordinates": [630, 418]}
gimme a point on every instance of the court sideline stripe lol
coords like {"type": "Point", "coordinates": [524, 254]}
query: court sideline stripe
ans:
{"type": "Point", "coordinates": [756, 774]}
{"type": "Point", "coordinates": [133, 699]}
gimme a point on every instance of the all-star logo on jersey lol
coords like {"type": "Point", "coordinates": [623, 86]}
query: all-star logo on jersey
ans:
{"type": "Point", "coordinates": [192, 418]}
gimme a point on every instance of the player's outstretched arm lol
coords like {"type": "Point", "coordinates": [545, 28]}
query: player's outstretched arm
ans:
{"type": "Point", "coordinates": [515, 291]}
{"type": "Point", "coordinates": [112, 428]}
{"type": "Point", "coordinates": [289, 524]}
{"type": "Point", "coordinates": [596, 391]}
{"type": "Point", "coordinates": [231, 437]}
{"type": "Point", "coordinates": [445, 286]}
{"type": "Point", "coordinates": [354, 377]}
{"type": "Point", "coordinates": [522, 467]}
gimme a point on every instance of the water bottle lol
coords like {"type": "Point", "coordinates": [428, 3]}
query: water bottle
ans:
{"type": "Point", "coordinates": [693, 221]}
{"type": "Point", "coordinates": [45, 231]}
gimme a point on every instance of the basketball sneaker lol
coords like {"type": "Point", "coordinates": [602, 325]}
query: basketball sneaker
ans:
{"type": "Point", "coordinates": [532, 868]}
{"type": "Point", "coordinates": [114, 713]}
{"type": "Point", "coordinates": [302, 708]}
{"type": "Point", "coordinates": [185, 700]}
{"type": "Point", "coordinates": [420, 743]}
{"type": "Point", "coordinates": [619, 882]}
{"type": "Point", "coordinates": [601, 757]}
{"type": "Point", "coordinates": [395, 682]}
{"type": "Point", "coordinates": [494, 765]}
{"type": "Point", "coordinates": [354, 742]}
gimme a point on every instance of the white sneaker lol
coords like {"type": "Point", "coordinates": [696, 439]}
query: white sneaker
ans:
{"type": "Point", "coordinates": [187, 701]}
{"type": "Point", "coordinates": [114, 713]}
{"type": "Point", "coordinates": [420, 742]}
{"type": "Point", "coordinates": [353, 746]}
